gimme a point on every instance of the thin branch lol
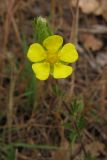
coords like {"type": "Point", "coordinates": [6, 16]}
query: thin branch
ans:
{"type": "Point", "coordinates": [73, 39]}
{"type": "Point", "coordinates": [11, 95]}
{"type": "Point", "coordinates": [74, 29]}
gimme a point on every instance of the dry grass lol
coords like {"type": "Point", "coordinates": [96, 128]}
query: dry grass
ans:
{"type": "Point", "coordinates": [35, 113]}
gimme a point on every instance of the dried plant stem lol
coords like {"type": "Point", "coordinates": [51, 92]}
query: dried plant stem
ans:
{"type": "Point", "coordinates": [74, 29]}
{"type": "Point", "coordinates": [16, 30]}
{"type": "Point", "coordinates": [9, 5]}
{"type": "Point", "coordinates": [53, 3]}
{"type": "Point", "coordinates": [73, 39]}
{"type": "Point", "coordinates": [10, 20]}
{"type": "Point", "coordinates": [11, 99]}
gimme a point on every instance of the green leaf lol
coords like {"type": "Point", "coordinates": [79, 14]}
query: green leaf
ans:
{"type": "Point", "coordinates": [57, 91]}
{"type": "Point", "coordinates": [76, 107]}
{"type": "Point", "coordinates": [81, 106]}
{"type": "Point", "coordinates": [10, 153]}
{"type": "Point", "coordinates": [41, 29]}
{"type": "Point", "coordinates": [81, 122]}
{"type": "Point", "coordinates": [24, 44]}
{"type": "Point", "coordinates": [36, 146]}
{"type": "Point", "coordinates": [27, 74]}
{"type": "Point", "coordinates": [73, 136]}
{"type": "Point", "coordinates": [67, 125]}
{"type": "Point", "coordinates": [89, 157]}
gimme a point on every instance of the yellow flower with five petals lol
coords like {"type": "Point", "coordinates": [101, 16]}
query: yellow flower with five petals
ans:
{"type": "Point", "coordinates": [52, 58]}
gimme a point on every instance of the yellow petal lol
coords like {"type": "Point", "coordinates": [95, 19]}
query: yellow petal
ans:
{"type": "Point", "coordinates": [53, 43]}
{"type": "Point", "coordinates": [41, 70]}
{"type": "Point", "coordinates": [61, 70]}
{"type": "Point", "coordinates": [68, 53]}
{"type": "Point", "coordinates": [36, 53]}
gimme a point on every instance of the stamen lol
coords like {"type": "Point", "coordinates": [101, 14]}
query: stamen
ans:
{"type": "Point", "coordinates": [52, 57]}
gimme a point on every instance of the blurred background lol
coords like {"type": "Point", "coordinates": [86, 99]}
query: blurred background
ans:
{"type": "Point", "coordinates": [35, 116]}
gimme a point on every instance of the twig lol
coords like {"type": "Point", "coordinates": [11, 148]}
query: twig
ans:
{"type": "Point", "coordinates": [96, 29]}
{"type": "Point", "coordinates": [16, 30]}
{"type": "Point", "coordinates": [53, 3]}
{"type": "Point", "coordinates": [74, 30]}
{"type": "Point", "coordinates": [11, 95]}
{"type": "Point", "coordinates": [73, 39]}
{"type": "Point", "coordinates": [10, 4]}
{"type": "Point", "coordinates": [10, 20]}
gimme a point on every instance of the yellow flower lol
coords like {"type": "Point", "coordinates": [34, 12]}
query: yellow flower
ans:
{"type": "Point", "coordinates": [52, 58]}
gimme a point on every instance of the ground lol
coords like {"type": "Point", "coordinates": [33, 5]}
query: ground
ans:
{"type": "Point", "coordinates": [36, 119]}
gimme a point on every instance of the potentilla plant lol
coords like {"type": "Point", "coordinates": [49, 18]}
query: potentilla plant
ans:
{"type": "Point", "coordinates": [50, 56]}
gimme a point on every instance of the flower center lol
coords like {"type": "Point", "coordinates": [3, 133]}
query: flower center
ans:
{"type": "Point", "coordinates": [52, 57]}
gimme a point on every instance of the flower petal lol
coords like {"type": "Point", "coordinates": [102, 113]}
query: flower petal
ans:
{"type": "Point", "coordinates": [68, 53]}
{"type": "Point", "coordinates": [36, 53]}
{"type": "Point", "coordinates": [41, 70]}
{"type": "Point", "coordinates": [61, 70]}
{"type": "Point", "coordinates": [53, 43]}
